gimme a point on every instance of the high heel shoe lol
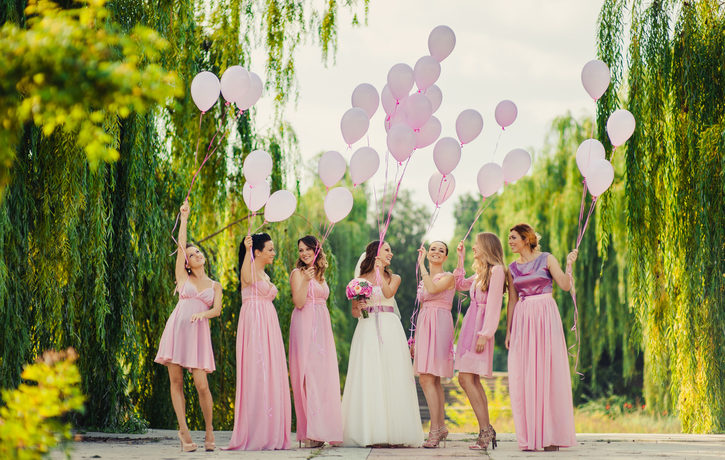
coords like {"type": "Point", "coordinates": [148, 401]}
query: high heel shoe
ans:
{"type": "Point", "coordinates": [209, 446]}
{"type": "Point", "coordinates": [435, 437]}
{"type": "Point", "coordinates": [551, 448]}
{"type": "Point", "coordinates": [485, 436]}
{"type": "Point", "coordinates": [186, 447]}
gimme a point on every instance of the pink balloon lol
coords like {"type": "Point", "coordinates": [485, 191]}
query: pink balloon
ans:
{"type": "Point", "coordinates": [595, 78]}
{"type": "Point", "coordinates": [418, 110]}
{"type": "Point", "coordinates": [235, 82]}
{"type": "Point", "coordinates": [505, 113]}
{"type": "Point", "coordinates": [515, 165]}
{"type": "Point", "coordinates": [363, 165]}
{"type": "Point", "coordinates": [468, 125]}
{"type": "Point", "coordinates": [338, 204]}
{"type": "Point", "coordinates": [446, 154]}
{"type": "Point", "coordinates": [601, 175]}
{"type": "Point", "coordinates": [397, 118]}
{"type": "Point", "coordinates": [426, 72]}
{"type": "Point", "coordinates": [257, 167]}
{"type": "Point", "coordinates": [440, 187]}
{"type": "Point", "coordinates": [441, 42]}
{"type": "Point", "coordinates": [205, 88]}
{"type": "Point", "coordinates": [255, 196]}
{"type": "Point", "coordinates": [252, 95]}
{"type": "Point", "coordinates": [400, 80]}
{"type": "Point", "coordinates": [401, 142]}
{"type": "Point", "coordinates": [435, 95]}
{"type": "Point", "coordinates": [331, 168]}
{"type": "Point", "coordinates": [280, 206]}
{"type": "Point", "coordinates": [490, 179]}
{"type": "Point", "coordinates": [620, 126]}
{"type": "Point", "coordinates": [428, 133]}
{"type": "Point", "coordinates": [589, 151]}
{"type": "Point", "coordinates": [366, 97]}
{"type": "Point", "coordinates": [388, 100]}
{"type": "Point", "coordinates": [354, 125]}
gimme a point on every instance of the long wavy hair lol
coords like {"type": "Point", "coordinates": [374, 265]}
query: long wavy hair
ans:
{"type": "Point", "coordinates": [492, 255]}
{"type": "Point", "coordinates": [320, 262]}
{"type": "Point", "coordinates": [368, 263]}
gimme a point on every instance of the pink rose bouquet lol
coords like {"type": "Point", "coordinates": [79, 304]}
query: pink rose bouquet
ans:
{"type": "Point", "coordinates": [359, 289]}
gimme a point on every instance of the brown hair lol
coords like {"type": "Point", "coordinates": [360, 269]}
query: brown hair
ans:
{"type": "Point", "coordinates": [320, 259]}
{"type": "Point", "coordinates": [368, 263]}
{"type": "Point", "coordinates": [527, 233]}
{"type": "Point", "coordinates": [492, 255]}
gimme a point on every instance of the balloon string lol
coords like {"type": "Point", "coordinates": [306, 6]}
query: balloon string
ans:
{"type": "Point", "coordinates": [574, 327]}
{"type": "Point", "coordinates": [198, 139]}
{"type": "Point", "coordinates": [497, 141]}
{"type": "Point", "coordinates": [586, 223]}
{"type": "Point", "coordinates": [581, 207]}
{"type": "Point", "coordinates": [482, 208]}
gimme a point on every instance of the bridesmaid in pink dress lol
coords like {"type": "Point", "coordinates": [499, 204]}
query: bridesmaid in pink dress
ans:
{"type": "Point", "coordinates": [433, 347]}
{"type": "Point", "coordinates": [538, 365]}
{"type": "Point", "coordinates": [186, 341]}
{"type": "Point", "coordinates": [312, 355]}
{"type": "Point", "coordinates": [262, 408]}
{"type": "Point", "coordinates": [474, 354]}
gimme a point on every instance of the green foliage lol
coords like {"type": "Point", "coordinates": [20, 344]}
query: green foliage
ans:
{"type": "Point", "coordinates": [675, 202]}
{"type": "Point", "coordinates": [70, 69]}
{"type": "Point", "coordinates": [85, 247]}
{"type": "Point", "coordinates": [549, 200]}
{"type": "Point", "coordinates": [31, 421]}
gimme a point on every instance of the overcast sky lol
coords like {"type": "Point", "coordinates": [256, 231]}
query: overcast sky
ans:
{"type": "Point", "coordinates": [528, 51]}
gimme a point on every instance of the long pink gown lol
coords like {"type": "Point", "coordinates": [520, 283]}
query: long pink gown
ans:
{"type": "Point", "coordinates": [538, 366]}
{"type": "Point", "coordinates": [313, 368]}
{"type": "Point", "coordinates": [183, 342]}
{"type": "Point", "coordinates": [262, 409]}
{"type": "Point", "coordinates": [434, 332]}
{"type": "Point", "coordinates": [481, 319]}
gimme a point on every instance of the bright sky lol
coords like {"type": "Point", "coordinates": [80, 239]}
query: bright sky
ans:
{"type": "Point", "coordinates": [528, 51]}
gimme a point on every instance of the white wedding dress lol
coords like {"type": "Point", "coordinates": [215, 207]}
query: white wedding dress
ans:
{"type": "Point", "coordinates": [380, 402]}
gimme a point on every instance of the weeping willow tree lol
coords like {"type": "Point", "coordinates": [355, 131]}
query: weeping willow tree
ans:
{"type": "Point", "coordinates": [98, 151]}
{"type": "Point", "coordinates": [549, 199]}
{"type": "Point", "coordinates": [675, 196]}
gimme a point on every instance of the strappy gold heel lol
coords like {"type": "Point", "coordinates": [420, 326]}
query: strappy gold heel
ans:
{"type": "Point", "coordinates": [435, 438]}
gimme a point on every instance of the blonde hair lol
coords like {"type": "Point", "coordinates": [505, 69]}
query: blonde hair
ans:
{"type": "Point", "coordinates": [491, 255]}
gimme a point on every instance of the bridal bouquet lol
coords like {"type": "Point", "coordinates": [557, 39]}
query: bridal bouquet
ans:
{"type": "Point", "coordinates": [359, 289]}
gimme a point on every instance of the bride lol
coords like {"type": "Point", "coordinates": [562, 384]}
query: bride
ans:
{"type": "Point", "coordinates": [379, 403]}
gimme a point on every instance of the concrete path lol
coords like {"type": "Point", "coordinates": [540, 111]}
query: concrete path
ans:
{"type": "Point", "coordinates": [163, 444]}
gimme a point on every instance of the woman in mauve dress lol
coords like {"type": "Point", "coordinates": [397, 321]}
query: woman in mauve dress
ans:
{"type": "Point", "coordinates": [186, 341]}
{"type": "Point", "coordinates": [474, 353]}
{"type": "Point", "coordinates": [538, 365]}
{"type": "Point", "coordinates": [262, 408]}
{"type": "Point", "coordinates": [312, 355]}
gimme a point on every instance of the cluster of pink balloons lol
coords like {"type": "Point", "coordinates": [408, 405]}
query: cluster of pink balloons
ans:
{"type": "Point", "coordinates": [277, 207]}
{"type": "Point", "coordinates": [237, 85]}
{"type": "Point", "coordinates": [591, 160]}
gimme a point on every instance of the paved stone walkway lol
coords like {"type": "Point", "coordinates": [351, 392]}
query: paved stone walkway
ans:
{"type": "Point", "coordinates": [163, 444]}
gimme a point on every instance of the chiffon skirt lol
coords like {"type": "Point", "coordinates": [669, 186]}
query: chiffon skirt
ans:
{"type": "Point", "coordinates": [434, 342]}
{"type": "Point", "coordinates": [539, 377]}
{"type": "Point", "coordinates": [380, 402]}
{"type": "Point", "coordinates": [185, 343]}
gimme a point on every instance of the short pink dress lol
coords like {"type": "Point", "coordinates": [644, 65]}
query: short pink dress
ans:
{"type": "Point", "coordinates": [262, 408]}
{"type": "Point", "coordinates": [481, 318]}
{"type": "Point", "coordinates": [434, 332]}
{"type": "Point", "coordinates": [538, 365]}
{"type": "Point", "coordinates": [313, 368]}
{"type": "Point", "coordinates": [183, 342]}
